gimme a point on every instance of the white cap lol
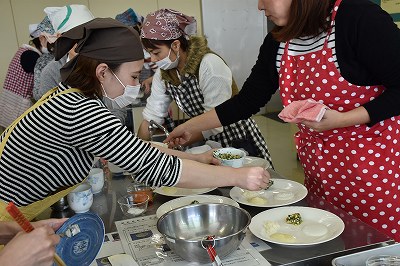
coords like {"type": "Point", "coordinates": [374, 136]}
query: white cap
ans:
{"type": "Point", "coordinates": [33, 30]}
{"type": "Point", "coordinates": [67, 17]}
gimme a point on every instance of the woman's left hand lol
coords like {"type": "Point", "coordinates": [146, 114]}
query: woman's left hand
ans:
{"type": "Point", "coordinates": [332, 119]}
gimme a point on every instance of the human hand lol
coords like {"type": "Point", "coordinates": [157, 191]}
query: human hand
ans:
{"type": "Point", "coordinates": [179, 136]}
{"type": "Point", "coordinates": [253, 178]}
{"type": "Point", "coordinates": [331, 119]}
{"type": "Point", "coordinates": [34, 248]}
{"type": "Point", "coordinates": [207, 158]}
{"type": "Point", "coordinates": [53, 223]}
{"type": "Point", "coordinates": [146, 84]}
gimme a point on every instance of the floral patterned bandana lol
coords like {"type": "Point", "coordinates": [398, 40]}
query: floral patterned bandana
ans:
{"type": "Point", "coordinates": [168, 24]}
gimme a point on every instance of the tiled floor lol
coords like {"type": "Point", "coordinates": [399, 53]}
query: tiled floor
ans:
{"type": "Point", "coordinates": [279, 137]}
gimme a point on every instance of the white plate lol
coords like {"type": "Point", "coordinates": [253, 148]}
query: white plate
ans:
{"type": "Point", "coordinates": [180, 192]}
{"type": "Point", "coordinates": [255, 161]}
{"type": "Point", "coordinates": [183, 201]}
{"type": "Point", "coordinates": [274, 196]}
{"type": "Point", "coordinates": [312, 218]}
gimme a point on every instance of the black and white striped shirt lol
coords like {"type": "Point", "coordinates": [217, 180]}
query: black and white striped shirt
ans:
{"type": "Point", "coordinates": [307, 45]}
{"type": "Point", "coordinates": [55, 144]}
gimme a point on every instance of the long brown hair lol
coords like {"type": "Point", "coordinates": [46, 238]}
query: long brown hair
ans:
{"type": "Point", "coordinates": [84, 76]}
{"type": "Point", "coordinates": [306, 18]}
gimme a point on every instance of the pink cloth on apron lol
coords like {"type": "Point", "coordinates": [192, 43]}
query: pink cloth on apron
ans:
{"type": "Point", "coordinates": [355, 168]}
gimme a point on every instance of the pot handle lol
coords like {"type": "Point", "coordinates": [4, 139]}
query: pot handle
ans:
{"type": "Point", "coordinates": [215, 260]}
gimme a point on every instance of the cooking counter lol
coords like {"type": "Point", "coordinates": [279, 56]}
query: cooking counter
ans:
{"type": "Point", "coordinates": [357, 235]}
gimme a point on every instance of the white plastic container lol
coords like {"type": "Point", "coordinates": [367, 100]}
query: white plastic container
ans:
{"type": "Point", "coordinates": [360, 258]}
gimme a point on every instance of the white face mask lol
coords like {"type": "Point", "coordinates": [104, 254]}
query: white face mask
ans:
{"type": "Point", "coordinates": [44, 50]}
{"type": "Point", "coordinates": [166, 63]}
{"type": "Point", "coordinates": [131, 93]}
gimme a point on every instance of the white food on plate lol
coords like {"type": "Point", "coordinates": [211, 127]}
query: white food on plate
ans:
{"type": "Point", "coordinates": [271, 227]}
{"type": "Point", "coordinates": [315, 229]}
{"type": "Point", "coordinates": [257, 200]}
{"type": "Point", "coordinates": [281, 237]}
{"type": "Point", "coordinates": [284, 195]}
{"type": "Point", "coordinates": [170, 190]}
{"type": "Point", "coordinates": [250, 194]}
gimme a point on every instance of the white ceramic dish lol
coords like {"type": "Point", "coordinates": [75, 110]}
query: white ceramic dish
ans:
{"type": "Point", "coordinates": [312, 218]}
{"type": "Point", "coordinates": [282, 192]}
{"type": "Point", "coordinates": [183, 201]}
{"type": "Point", "coordinates": [235, 163]}
{"type": "Point", "coordinates": [181, 192]}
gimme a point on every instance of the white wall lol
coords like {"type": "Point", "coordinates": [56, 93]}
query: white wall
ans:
{"type": "Point", "coordinates": [235, 29]}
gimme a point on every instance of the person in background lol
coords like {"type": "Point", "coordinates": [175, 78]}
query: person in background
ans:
{"type": "Point", "coordinates": [51, 76]}
{"type": "Point", "coordinates": [29, 249]}
{"type": "Point", "coordinates": [345, 56]}
{"type": "Point", "coordinates": [46, 56]}
{"type": "Point", "coordinates": [57, 21]}
{"type": "Point", "coordinates": [16, 95]}
{"type": "Point", "coordinates": [195, 77]}
{"type": "Point", "coordinates": [130, 18]}
{"type": "Point", "coordinates": [51, 149]}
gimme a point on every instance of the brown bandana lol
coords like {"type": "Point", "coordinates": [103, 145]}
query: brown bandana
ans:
{"type": "Point", "coordinates": [168, 24]}
{"type": "Point", "coordinates": [101, 39]}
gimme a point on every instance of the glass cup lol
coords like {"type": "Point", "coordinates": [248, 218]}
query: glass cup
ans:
{"type": "Point", "coordinates": [133, 205]}
{"type": "Point", "coordinates": [383, 260]}
{"type": "Point", "coordinates": [139, 188]}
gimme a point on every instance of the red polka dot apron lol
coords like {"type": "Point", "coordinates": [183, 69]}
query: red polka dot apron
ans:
{"type": "Point", "coordinates": [355, 168]}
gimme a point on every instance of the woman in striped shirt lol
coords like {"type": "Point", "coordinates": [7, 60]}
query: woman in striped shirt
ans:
{"type": "Point", "coordinates": [54, 145]}
{"type": "Point", "coordinates": [343, 54]}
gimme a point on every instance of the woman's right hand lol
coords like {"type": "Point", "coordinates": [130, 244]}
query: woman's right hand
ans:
{"type": "Point", "coordinates": [253, 178]}
{"type": "Point", "coordinates": [179, 136]}
{"type": "Point", "coordinates": [34, 248]}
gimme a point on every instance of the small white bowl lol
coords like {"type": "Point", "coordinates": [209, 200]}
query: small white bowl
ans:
{"type": "Point", "coordinates": [230, 157]}
{"type": "Point", "coordinates": [81, 198]}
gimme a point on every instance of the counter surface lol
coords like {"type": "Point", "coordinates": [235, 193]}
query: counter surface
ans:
{"type": "Point", "coordinates": [357, 235]}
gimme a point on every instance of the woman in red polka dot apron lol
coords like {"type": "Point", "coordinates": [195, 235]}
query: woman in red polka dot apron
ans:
{"type": "Point", "coordinates": [355, 168]}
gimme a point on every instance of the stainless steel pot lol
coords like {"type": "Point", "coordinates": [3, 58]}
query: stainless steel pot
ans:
{"type": "Point", "coordinates": [185, 228]}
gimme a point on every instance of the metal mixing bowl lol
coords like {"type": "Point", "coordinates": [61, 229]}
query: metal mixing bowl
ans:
{"type": "Point", "coordinates": [185, 228]}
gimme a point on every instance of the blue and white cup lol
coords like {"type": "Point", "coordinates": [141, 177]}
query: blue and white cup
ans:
{"type": "Point", "coordinates": [96, 179]}
{"type": "Point", "coordinates": [81, 198]}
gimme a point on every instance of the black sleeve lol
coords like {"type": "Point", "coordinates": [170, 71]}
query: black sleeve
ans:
{"type": "Point", "coordinates": [377, 47]}
{"type": "Point", "coordinates": [257, 89]}
{"type": "Point", "coordinates": [28, 60]}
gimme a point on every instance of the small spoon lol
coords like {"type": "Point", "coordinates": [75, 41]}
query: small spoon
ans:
{"type": "Point", "coordinates": [270, 183]}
